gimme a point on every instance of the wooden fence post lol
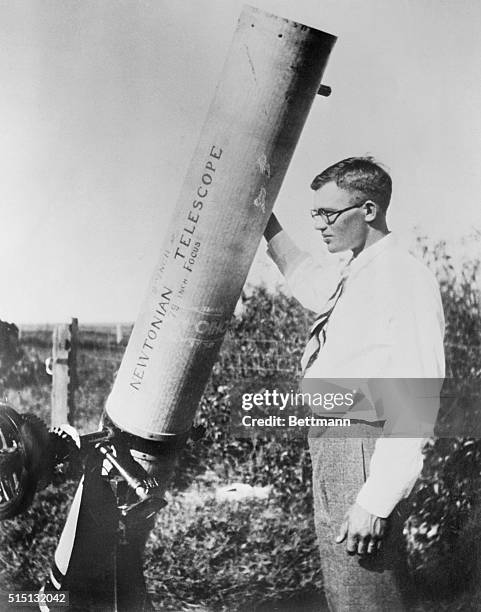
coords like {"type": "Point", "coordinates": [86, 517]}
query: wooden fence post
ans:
{"type": "Point", "coordinates": [64, 372]}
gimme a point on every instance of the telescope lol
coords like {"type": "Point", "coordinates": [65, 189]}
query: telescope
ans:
{"type": "Point", "coordinates": [270, 79]}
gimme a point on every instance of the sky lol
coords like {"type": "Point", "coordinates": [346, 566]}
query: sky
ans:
{"type": "Point", "coordinates": [102, 102]}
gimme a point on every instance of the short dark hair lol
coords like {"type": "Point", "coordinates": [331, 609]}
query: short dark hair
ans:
{"type": "Point", "coordinates": [358, 174]}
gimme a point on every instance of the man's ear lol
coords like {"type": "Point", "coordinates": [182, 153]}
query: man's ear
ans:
{"type": "Point", "coordinates": [371, 211]}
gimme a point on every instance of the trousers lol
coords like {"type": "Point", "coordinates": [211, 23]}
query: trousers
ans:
{"type": "Point", "coordinates": [340, 466]}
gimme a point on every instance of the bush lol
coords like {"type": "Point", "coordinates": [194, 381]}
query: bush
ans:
{"type": "Point", "coordinates": [441, 538]}
{"type": "Point", "coordinates": [19, 367]}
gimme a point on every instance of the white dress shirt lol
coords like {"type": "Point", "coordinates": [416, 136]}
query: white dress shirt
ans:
{"type": "Point", "coordinates": [387, 324]}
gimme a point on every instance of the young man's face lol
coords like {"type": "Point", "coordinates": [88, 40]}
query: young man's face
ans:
{"type": "Point", "coordinates": [345, 231]}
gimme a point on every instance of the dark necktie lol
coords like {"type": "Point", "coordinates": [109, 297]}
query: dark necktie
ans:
{"type": "Point", "coordinates": [317, 333]}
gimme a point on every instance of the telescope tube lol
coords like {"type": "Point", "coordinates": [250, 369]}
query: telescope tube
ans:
{"type": "Point", "coordinates": [270, 78]}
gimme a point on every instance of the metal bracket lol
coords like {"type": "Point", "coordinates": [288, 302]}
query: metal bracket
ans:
{"type": "Point", "coordinates": [324, 90]}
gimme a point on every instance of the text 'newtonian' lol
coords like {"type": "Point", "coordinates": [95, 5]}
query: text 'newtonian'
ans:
{"type": "Point", "coordinates": [150, 338]}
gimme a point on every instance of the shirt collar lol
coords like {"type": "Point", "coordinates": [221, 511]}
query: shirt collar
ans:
{"type": "Point", "coordinates": [370, 253]}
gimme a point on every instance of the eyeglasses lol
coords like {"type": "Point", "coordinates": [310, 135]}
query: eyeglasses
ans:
{"type": "Point", "coordinates": [331, 216]}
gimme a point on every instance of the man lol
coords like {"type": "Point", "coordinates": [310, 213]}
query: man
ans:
{"type": "Point", "coordinates": [381, 318]}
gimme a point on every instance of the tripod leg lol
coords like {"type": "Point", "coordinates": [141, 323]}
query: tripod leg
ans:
{"type": "Point", "coordinates": [98, 560]}
{"type": "Point", "coordinates": [84, 563]}
{"type": "Point", "coordinates": [130, 582]}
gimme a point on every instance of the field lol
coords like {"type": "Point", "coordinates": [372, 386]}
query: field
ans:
{"type": "Point", "coordinates": [259, 553]}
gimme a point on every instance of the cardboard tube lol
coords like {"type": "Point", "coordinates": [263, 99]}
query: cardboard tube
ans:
{"type": "Point", "coordinates": [270, 78]}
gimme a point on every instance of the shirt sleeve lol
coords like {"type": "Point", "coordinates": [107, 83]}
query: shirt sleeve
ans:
{"type": "Point", "coordinates": [417, 359]}
{"type": "Point", "coordinates": [311, 282]}
{"type": "Point", "coordinates": [395, 466]}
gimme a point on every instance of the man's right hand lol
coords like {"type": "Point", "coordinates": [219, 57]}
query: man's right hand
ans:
{"type": "Point", "coordinates": [362, 531]}
{"type": "Point", "coordinates": [273, 227]}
